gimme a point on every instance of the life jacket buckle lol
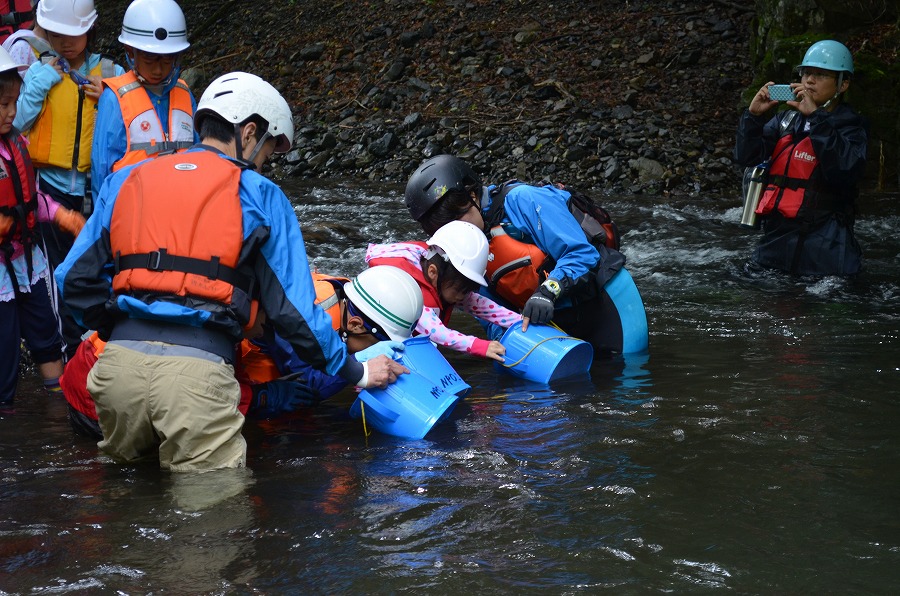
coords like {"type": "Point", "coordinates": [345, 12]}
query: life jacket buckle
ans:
{"type": "Point", "coordinates": [154, 259]}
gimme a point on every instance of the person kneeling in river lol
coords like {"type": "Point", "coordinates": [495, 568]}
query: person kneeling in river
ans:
{"type": "Point", "coordinates": [168, 268]}
{"type": "Point", "coordinates": [385, 307]}
{"type": "Point", "coordinates": [541, 260]}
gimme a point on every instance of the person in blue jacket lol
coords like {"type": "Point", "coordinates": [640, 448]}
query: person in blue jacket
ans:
{"type": "Point", "coordinates": [816, 156]}
{"type": "Point", "coordinates": [148, 110]}
{"type": "Point", "coordinates": [169, 270]}
{"type": "Point", "coordinates": [541, 260]}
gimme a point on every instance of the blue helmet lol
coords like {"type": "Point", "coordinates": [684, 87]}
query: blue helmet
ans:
{"type": "Point", "coordinates": [828, 55]}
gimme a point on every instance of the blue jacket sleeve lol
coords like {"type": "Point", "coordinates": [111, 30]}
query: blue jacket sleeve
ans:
{"type": "Point", "coordinates": [109, 139]}
{"type": "Point", "coordinates": [83, 277]}
{"type": "Point", "coordinates": [840, 139]}
{"type": "Point", "coordinates": [542, 213]}
{"type": "Point", "coordinates": [288, 363]}
{"type": "Point", "coordinates": [39, 79]}
{"type": "Point", "coordinates": [286, 290]}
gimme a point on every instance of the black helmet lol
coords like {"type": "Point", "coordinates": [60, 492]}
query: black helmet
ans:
{"type": "Point", "coordinates": [433, 178]}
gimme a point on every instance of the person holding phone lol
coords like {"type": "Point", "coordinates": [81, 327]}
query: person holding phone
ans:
{"type": "Point", "coordinates": [816, 154]}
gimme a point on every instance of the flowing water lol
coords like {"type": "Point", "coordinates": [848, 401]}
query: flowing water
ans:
{"type": "Point", "coordinates": [754, 450]}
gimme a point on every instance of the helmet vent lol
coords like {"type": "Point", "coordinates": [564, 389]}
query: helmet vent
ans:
{"type": "Point", "coordinates": [161, 34]}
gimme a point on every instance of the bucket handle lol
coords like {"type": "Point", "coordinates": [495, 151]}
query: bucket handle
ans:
{"type": "Point", "coordinates": [525, 355]}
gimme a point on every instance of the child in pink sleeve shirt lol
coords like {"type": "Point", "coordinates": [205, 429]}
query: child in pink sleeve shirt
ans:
{"type": "Point", "coordinates": [449, 268]}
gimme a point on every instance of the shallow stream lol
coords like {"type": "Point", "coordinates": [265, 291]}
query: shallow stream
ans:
{"type": "Point", "coordinates": [755, 450]}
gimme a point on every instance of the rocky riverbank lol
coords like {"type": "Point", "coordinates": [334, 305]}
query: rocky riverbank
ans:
{"type": "Point", "coordinates": [636, 97]}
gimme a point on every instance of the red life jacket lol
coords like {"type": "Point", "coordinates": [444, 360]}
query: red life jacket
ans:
{"type": "Point", "coordinates": [794, 188]}
{"type": "Point", "coordinates": [18, 200]}
{"type": "Point", "coordinates": [17, 14]}
{"type": "Point", "coordinates": [177, 229]}
{"type": "Point", "coordinates": [430, 295]}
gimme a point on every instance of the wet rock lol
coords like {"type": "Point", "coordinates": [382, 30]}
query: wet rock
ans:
{"type": "Point", "coordinates": [313, 52]}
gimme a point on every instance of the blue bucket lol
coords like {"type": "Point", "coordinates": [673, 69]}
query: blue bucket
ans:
{"type": "Point", "coordinates": [407, 408]}
{"type": "Point", "coordinates": [422, 356]}
{"type": "Point", "coordinates": [544, 354]}
{"type": "Point", "coordinates": [624, 294]}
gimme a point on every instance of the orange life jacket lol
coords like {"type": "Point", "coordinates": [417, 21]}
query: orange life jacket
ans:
{"type": "Point", "coordinates": [789, 176]}
{"type": "Point", "coordinates": [176, 229]}
{"type": "Point", "coordinates": [18, 201]}
{"type": "Point", "coordinates": [328, 297]}
{"type": "Point", "coordinates": [144, 132]}
{"type": "Point", "coordinates": [515, 269]}
{"type": "Point", "coordinates": [794, 187]}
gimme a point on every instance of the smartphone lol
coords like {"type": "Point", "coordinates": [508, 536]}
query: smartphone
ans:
{"type": "Point", "coordinates": [781, 93]}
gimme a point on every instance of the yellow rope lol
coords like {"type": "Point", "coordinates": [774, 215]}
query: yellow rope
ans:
{"type": "Point", "coordinates": [362, 409]}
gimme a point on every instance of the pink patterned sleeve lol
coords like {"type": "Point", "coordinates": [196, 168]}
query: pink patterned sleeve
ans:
{"type": "Point", "coordinates": [430, 324]}
{"type": "Point", "coordinates": [486, 309]}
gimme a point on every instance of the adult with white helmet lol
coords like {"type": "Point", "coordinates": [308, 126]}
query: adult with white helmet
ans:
{"type": "Point", "coordinates": [149, 110]}
{"type": "Point", "coordinates": [57, 111]}
{"type": "Point", "coordinates": [449, 267]}
{"type": "Point", "coordinates": [193, 242]}
{"type": "Point", "coordinates": [816, 155]}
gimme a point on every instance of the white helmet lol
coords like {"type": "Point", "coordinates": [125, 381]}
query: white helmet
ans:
{"type": "Point", "coordinates": [389, 297]}
{"type": "Point", "coordinates": [66, 17]}
{"type": "Point", "coordinates": [465, 246]}
{"type": "Point", "coordinates": [238, 95]}
{"type": "Point", "coordinates": [155, 26]}
{"type": "Point", "coordinates": [6, 62]}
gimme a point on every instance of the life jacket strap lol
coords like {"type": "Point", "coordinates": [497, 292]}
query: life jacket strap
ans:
{"type": "Point", "coordinates": [162, 147]}
{"type": "Point", "coordinates": [160, 260]}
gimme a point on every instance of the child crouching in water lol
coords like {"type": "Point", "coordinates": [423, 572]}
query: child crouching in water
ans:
{"type": "Point", "coordinates": [449, 269]}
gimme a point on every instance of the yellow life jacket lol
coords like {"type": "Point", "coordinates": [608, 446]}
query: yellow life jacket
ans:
{"type": "Point", "coordinates": [64, 130]}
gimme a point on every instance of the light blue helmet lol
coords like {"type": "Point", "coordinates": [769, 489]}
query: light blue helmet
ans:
{"type": "Point", "coordinates": [828, 55]}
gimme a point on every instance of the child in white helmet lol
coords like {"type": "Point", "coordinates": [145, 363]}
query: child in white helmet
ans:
{"type": "Point", "coordinates": [449, 268]}
{"type": "Point", "coordinates": [56, 112]}
{"type": "Point", "coordinates": [147, 111]}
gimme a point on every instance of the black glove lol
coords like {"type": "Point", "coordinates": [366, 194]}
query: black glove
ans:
{"type": "Point", "coordinates": [539, 308]}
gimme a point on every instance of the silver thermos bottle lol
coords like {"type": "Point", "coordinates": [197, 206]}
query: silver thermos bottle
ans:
{"type": "Point", "coordinates": [754, 183]}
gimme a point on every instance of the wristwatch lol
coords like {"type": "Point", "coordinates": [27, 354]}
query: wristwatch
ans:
{"type": "Point", "coordinates": [552, 286]}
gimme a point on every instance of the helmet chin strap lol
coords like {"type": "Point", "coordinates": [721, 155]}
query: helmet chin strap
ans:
{"type": "Point", "coordinates": [259, 145]}
{"type": "Point", "coordinates": [173, 75]}
{"type": "Point", "coordinates": [840, 83]}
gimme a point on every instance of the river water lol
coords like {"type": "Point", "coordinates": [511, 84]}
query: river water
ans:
{"type": "Point", "coordinates": [754, 450]}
